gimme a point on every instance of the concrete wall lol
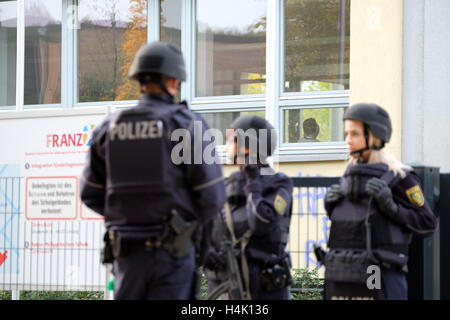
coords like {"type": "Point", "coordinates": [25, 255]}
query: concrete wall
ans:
{"type": "Point", "coordinates": [426, 83]}
{"type": "Point", "coordinates": [376, 59]}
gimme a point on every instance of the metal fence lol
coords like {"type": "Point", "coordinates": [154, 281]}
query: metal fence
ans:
{"type": "Point", "coordinates": [309, 225]}
{"type": "Point", "coordinates": [309, 222]}
{"type": "Point", "coordinates": [64, 255]}
{"type": "Point", "coordinates": [46, 255]}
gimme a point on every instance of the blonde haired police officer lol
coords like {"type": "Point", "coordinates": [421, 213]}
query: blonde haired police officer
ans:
{"type": "Point", "coordinates": [373, 212]}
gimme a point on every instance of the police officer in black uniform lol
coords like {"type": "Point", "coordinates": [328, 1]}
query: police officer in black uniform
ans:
{"type": "Point", "coordinates": [154, 209]}
{"type": "Point", "coordinates": [373, 212]}
{"type": "Point", "coordinates": [260, 208]}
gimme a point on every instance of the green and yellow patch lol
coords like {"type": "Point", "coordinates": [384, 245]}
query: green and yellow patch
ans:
{"type": "Point", "coordinates": [280, 204]}
{"type": "Point", "coordinates": [415, 196]}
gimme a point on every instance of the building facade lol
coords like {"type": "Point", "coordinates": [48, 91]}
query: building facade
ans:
{"type": "Point", "coordinates": [286, 60]}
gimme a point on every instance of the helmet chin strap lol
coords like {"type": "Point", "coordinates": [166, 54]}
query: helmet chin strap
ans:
{"type": "Point", "coordinates": [360, 151]}
{"type": "Point", "coordinates": [160, 83]}
{"type": "Point", "coordinates": [164, 89]}
{"type": "Point", "coordinates": [367, 147]}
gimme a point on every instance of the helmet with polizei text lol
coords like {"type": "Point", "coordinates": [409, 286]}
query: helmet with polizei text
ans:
{"type": "Point", "coordinates": [374, 116]}
{"type": "Point", "coordinates": [160, 58]}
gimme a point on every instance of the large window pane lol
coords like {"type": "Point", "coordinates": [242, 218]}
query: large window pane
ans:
{"type": "Point", "coordinates": [223, 120]}
{"type": "Point", "coordinates": [171, 21]}
{"type": "Point", "coordinates": [111, 32]}
{"type": "Point", "coordinates": [8, 44]}
{"type": "Point", "coordinates": [42, 52]}
{"type": "Point", "coordinates": [316, 45]}
{"type": "Point", "coordinates": [313, 125]}
{"type": "Point", "coordinates": [231, 47]}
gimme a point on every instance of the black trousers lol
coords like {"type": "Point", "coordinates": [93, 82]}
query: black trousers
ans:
{"type": "Point", "coordinates": [153, 275]}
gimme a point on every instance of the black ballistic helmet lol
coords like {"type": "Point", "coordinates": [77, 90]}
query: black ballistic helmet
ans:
{"type": "Point", "coordinates": [247, 122]}
{"type": "Point", "coordinates": [373, 116]}
{"type": "Point", "coordinates": [158, 57]}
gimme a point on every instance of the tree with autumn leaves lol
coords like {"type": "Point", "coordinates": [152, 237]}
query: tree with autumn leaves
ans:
{"type": "Point", "coordinates": [134, 37]}
{"type": "Point", "coordinates": [107, 46]}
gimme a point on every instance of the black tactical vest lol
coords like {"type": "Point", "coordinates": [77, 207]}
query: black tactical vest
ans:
{"type": "Point", "coordinates": [390, 241]}
{"type": "Point", "coordinates": [271, 246]}
{"type": "Point", "coordinates": [138, 160]}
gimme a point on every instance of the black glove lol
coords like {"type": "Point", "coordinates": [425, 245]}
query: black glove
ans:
{"type": "Point", "coordinates": [251, 168]}
{"type": "Point", "coordinates": [381, 192]}
{"type": "Point", "coordinates": [251, 171]}
{"type": "Point", "coordinates": [333, 196]}
{"type": "Point", "coordinates": [214, 260]}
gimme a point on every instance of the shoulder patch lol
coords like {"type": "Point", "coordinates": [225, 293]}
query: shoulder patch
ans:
{"type": "Point", "coordinates": [415, 196]}
{"type": "Point", "coordinates": [281, 202]}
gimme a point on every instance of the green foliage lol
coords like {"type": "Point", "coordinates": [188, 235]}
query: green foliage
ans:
{"type": "Point", "coordinates": [312, 44]}
{"type": "Point", "coordinates": [54, 295]}
{"type": "Point", "coordinates": [61, 295]}
{"type": "Point", "coordinates": [204, 287]}
{"type": "Point", "coordinates": [307, 285]}
{"type": "Point", "coordinates": [5, 295]}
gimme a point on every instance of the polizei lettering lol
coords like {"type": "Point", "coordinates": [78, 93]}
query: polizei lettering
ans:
{"type": "Point", "coordinates": [137, 130]}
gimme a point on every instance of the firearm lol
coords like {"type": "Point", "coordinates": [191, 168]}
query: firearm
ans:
{"type": "Point", "coordinates": [320, 253]}
{"type": "Point", "coordinates": [200, 241]}
{"type": "Point", "coordinates": [107, 253]}
{"type": "Point", "coordinates": [230, 277]}
{"type": "Point", "coordinates": [197, 285]}
{"type": "Point", "coordinates": [180, 241]}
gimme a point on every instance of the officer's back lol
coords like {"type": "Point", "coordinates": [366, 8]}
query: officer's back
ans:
{"type": "Point", "coordinates": [151, 202]}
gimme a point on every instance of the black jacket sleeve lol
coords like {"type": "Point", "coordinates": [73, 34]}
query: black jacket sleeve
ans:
{"type": "Point", "coordinates": [414, 212]}
{"type": "Point", "coordinates": [264, 209]}
{"type": "Point", "coordinates": [93, 179]}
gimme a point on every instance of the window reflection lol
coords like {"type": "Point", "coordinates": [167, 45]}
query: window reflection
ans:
{"type": "Point", "coordinates": [313, 125]}
{"type": "Point", "coordinates": [316, 45]}
{"type": "Point", "coordinates": [42, 83]}
{"type": "Point", "coordinates": [170, 30]}
{"type": "Point", "coordinates": [111, 32]}
{"type": "Point", "coordinates": [8, 44]}
{"type": "Point", "coordinates": [230, 47]}
{"type": "Point", "coordinates": [171, 21]}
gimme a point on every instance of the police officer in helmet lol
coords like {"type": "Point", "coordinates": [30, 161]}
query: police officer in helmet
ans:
{"type": "Point", "coordinates": [157, 213]}
{"type": "Point", "coordinates": [260, 208]}
{"type": "Point", "coordinates": [373, 211]}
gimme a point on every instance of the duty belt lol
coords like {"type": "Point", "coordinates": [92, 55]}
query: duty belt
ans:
{"type": "Point", "coordinates": [175, 237]}
{"type": "Point", "coordinates": [122, 246]}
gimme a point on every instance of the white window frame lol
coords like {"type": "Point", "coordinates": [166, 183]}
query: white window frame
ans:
{"type": "Point", "coordinates": [281, 100]}
{"type": "Point", "coordinates": [273, 102]}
